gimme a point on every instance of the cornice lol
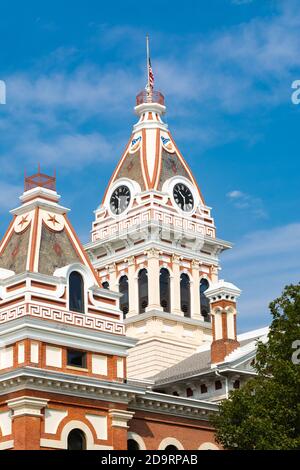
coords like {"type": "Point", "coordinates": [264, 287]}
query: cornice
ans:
{"type": "Point", "coordinates": [30, 378]}
{"type": "Point", "coordinates": [168, 404]}
{"type": "Point", "coordinates": [166, 316]}
{"type": "Point", "coordinates": [65, 335]}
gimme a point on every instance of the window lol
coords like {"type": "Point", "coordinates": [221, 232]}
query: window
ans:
{"type": "Point", "coordinates": [218, 384]}
{"type": "Point", "coordinates": [164, 286]}
{"type": "Point", "coordinates": [76, 440]}
{"type": "Point", "coordinates": [76, 358]}
{"type": "Point", "coordinates": [189, 392]}
{"type": "Point", "coordinates": [176, 394]}
{"type": "Point", "coordinates": [132, 445]}
{"type": "Point", "coordinates": [236, 384]}
{"type": "Point", "coordinates": [124, 300]}
{"type": "Point", "coordinates": [171, 448]}
{"type": "Point", "coordinates": [143, 290]}
{"type": "Point", "coordinates": [76, 292]}
{"type": "Point", "coordinates": [204, 301]}
{"type": "Point", "coordinates": [203, 388]}
{"type": "Point", "coordinates": [105, 285]}
{"type": "Point", "coordinates": [185, 296]}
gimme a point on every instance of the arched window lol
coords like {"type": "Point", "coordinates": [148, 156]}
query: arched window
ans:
{"type": "Point", "coordinates": [124, 300]}
{"type": "Point", "coordinates": [171, 448]}
{"type": "Point", "coordinates": [164, 286]}
{"type": "Point", "coordinates": [185, 295]}
{"type": "Point", "coordinates": [204, 301]}
{"type": "Point", "coordinates": [132, 445]}
{"type": "Point", "coordinates": [143, 290]}
{"type": "Point", "coordinates": [189, 392]}
{"type": "Point", "coordinates": [76, 440]}
{"type": "Point", "coordinates": [76, 292]}
{"type": "Point", "coordinates": [105, 285]}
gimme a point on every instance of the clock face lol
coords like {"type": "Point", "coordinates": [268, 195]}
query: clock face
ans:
{"type": "Point", "coordinates": [120, 199]}
{"type": "Point", "coordinates": [183, 197]}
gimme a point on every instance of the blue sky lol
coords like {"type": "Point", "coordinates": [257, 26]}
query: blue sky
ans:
{"type": "Point", "coordinates": [72, 70]}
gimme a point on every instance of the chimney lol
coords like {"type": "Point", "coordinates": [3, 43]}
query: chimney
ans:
{"type": "Point", "coordinates": [223, 296]}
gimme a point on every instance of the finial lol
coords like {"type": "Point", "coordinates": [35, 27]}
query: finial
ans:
{"type": "Point", "coordinates": [40, 180]}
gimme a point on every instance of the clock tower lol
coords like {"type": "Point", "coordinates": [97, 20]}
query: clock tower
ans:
{"type": "Point", "coordinates": [154, 241]}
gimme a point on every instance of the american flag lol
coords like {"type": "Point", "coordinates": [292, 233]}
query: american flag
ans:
{"type": "Point", "coordinates": [150, 75]}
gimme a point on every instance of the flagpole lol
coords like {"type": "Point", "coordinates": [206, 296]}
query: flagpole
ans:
{"type": "Point", "coordinates": [148, 57]}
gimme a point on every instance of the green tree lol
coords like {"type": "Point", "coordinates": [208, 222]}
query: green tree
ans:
{"type": "Point", "coordinates": [265, 413]}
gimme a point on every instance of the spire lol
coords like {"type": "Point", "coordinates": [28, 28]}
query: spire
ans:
{"type": "Point", "coordinates": [150, 104]}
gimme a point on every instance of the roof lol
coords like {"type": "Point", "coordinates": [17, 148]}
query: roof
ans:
{"type": "Point", "coordinates": [40, 237]}
{"type": "Point", "coordinates": [151, 156]}
{"type": "Point", "coordinates": [200, 363]}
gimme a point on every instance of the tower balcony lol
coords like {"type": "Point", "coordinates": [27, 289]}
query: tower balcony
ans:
{"type": "Point", "coordinates": [150, 97]}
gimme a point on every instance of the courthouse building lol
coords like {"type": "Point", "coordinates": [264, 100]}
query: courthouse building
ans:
{"type": "Point", "coordinates": [130, 341]}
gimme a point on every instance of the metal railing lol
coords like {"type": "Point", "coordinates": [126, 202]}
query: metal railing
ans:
{"type": "Point", "coordinates": [150, 97]}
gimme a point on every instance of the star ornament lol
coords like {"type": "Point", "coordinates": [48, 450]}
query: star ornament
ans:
{"type": "Point", "coordinates": [53, 219]}
{"type": "Point", "coordinates": [23, 220]}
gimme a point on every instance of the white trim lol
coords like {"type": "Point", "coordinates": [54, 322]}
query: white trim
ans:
{"type": "Point", "coordinates": [6, 445]}
{"type": "Point", "coordinates": [170, 441]}
{"type": "Point", "coordinates": [71, 335]}
{"type": "Point", "coordinates": [208, 446]}
{"type": "Point", "coordinates": [135, 437]}
{"type": "Point", "coordinates": [63, 442]}
{"type": "Point", "coordinates": [31, 406]}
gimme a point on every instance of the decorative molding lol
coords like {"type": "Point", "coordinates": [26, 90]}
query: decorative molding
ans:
{"type": "Point", "coordinates": [99, 423]}
{"type": "Point", "coordinates": [170, 441]}
{"type": "Point", "coordinates": [62, 443]}
{"type": "Point", "coordinates": [95, 322]}
{"type": "Point", "coordinates": [120, 418]}
{"type": "Point", "coordinates": [136, 437]}
{"type": "Point", "coordinates": [53, 418]}
{"type": "Point", "coordinates": [63, 383]}
{"type": "Point", "coordinates": [27, 406]}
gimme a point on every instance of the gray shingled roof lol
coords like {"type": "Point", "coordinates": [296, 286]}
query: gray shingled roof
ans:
{"type": "Point", "coordinates": [191, 365]}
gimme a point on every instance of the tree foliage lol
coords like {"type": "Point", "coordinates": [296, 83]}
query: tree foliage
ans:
{"type": "Point", "coordinates": [265, 413]}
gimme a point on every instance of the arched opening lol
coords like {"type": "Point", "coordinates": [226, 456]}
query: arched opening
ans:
{"type": "Point", "coordinates": [143, 290]}
{"type": "Point", "coordinates": [76, 440]}
{"type": "Point", "coordinates": [164, 286]}
{"type": "Point", "coordinates": [124, 300]}
{"type": "Point", "coordinates": [76, 292]}
{"type": "Point", "coordinates": [204, 301]}
{"type": "Point", "coordinates": [132, 445]}
{"type": "Point", "coordinates": [185, 295]}
{"type": "Point", "coordinates": [171, 448]}
{"type": "Point", "coordinates": [105, 285]}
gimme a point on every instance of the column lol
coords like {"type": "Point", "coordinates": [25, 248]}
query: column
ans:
{"type": "Point", "coordinates": [112, 270]}
{"type": "Point", "coordinates": [26, 422]}
{"type": "Point", "coordinates": [196, 307]}
{"type": "Point", "coordinates": [132, 288]}
{"type": "Point", "coordinates": [175, 286]}
{"type": "Point", "coordinates": [153, 280]}
{"type": "Point", "coordinates": [214, 274]}
{"type": "Point", "coordinates": [119, 425]}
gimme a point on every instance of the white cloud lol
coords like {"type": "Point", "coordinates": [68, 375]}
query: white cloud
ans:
{"type": "Point", "coordinates": [244, 201]}
{"type": "Point", "coordinates": [261, 264]}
